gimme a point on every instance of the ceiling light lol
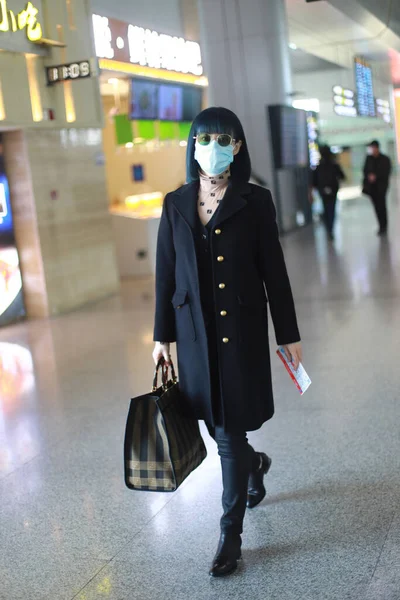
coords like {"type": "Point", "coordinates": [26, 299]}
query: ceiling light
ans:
{"type": "Point", "coordinates": [292, 46]}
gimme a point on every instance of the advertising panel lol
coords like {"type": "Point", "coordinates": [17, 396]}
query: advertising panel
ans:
{"type": "Point", "coordinates": [11, 294]}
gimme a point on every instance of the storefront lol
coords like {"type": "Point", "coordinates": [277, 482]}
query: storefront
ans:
{"type": "Point", "coordinates": [152, 86]}
{"type": "Point", "coordinates": [55, 226]}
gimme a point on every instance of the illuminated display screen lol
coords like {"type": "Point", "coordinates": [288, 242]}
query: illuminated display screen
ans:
{"type": "Point", "coordinates": [163, 101]}
{"type": "Point", "coordinates": [11, 296]}
{"type": "Point", "coordinates": [144, 100]}
{"type": "Point", "coordinates": [170, 106]}
{"type": "Point", "coordinates": [313, 139]}
{"type": "Point", "coordinates": [365, 88]}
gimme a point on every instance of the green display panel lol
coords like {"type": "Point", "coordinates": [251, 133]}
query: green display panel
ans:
{"type": "Point", "coordinates": [123, 130]}
{"type": "Point", "coordinates": [146, 129]}
{"type": "Point", "coordinates": [184, 130]}
{"type": "Point", "coordinates": [168, 130]}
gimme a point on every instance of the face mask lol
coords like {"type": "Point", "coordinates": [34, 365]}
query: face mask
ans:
{"type": "Point", "coordinates": [370, 151]}
{"type": "Point", "coordinates": [213, 158]}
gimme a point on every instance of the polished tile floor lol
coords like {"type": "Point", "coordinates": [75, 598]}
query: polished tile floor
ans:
{"type": "Point", "coordinates": [330, 526]}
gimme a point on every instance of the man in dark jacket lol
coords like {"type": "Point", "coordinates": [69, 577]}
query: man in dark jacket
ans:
{"type": "Point", "coordinates": [326, 179]}
{"type": "Point", "coordinates": [377, 170]}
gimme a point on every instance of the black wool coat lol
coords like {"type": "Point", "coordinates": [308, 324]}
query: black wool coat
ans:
{"type": "Point", "coordinates": [248, 272]}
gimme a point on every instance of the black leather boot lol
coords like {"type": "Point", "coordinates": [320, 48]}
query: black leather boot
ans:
{"type": "Point", "coordinates": [227, 556]}
{"type": "Point", "coordinates": [256, 489]}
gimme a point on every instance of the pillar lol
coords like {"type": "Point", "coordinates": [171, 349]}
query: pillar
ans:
{"type": "Point", "coordinates": [246, 56]}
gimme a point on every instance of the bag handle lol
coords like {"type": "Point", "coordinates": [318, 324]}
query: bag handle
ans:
{"type": "Point", "coordinates": [164, 374]}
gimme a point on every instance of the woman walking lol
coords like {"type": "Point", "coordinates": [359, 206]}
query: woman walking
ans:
{"type": "Point", "coordinates": [219, 262]}
{"type": "Point", "coordinates": [326, 177]}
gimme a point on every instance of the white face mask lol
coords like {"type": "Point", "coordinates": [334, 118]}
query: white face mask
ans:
{"type": "Point", "coordinates": [213, 158]}
{"type": "Point", "coordinates": [370, 151]}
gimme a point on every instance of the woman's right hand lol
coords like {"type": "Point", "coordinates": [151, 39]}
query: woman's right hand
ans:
{"type": "Point", "coordinates": [162, 350]}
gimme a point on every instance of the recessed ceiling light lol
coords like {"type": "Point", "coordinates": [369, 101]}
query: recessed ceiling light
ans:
{"type": "Point", "coordinates": [292, 46]}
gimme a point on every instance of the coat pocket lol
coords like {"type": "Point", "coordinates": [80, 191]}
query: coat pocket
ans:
{"type": "Point", "coordinates": [183, 316]}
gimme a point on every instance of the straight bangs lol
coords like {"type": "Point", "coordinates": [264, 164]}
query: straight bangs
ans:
{"type": "Point", "coordinates": [215, 121]}
{"type": "Point", "coordinates": [219, 120]}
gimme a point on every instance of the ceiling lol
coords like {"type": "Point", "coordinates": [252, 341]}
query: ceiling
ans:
{"type": "Point", "coordinates": [335, 31]}
{"type": "Point", "coordinates": [302, 62]}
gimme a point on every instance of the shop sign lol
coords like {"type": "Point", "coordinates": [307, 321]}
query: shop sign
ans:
{"type": "Point", "coordinates": [119, 41]}
{"type": "Point", "coordinates": [26, 19]}
{"type": "Point", "coordinates": [70, 72]}
{"type": "Point", "coordinates": [344, 102]}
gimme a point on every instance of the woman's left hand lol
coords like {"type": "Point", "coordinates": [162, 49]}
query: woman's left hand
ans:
{"type": "Point", "coordinates": [294, 353]}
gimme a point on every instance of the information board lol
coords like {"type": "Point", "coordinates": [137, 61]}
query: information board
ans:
{"type": "Point", "coordinates": [365, 88]}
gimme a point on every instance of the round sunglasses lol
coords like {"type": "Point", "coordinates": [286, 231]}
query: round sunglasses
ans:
{"type": "Point", "coordinates": [223, 139]}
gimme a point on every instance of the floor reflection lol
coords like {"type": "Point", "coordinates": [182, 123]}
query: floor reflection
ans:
{"type": "Point", "coordinates": [17, 381]}
{"type": "Point", "coordinates": [16, 374]}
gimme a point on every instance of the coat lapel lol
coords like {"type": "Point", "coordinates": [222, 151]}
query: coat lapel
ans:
{"type": "Point", "coordinates": [185, 201]}
{"type": "Point", "coordinates": [233, 202]}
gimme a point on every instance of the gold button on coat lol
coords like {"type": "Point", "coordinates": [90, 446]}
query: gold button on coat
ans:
{"type": "Point", "coordinates": [225, 340]}
{"type": "Point", "coordinates": [223, 313]}
{"type": "Point", "coordinates": [220, 259]}
{"type": "Point", "coordinates": [218, 232]}
{"type": "Point", "coordinates": [221, 286]}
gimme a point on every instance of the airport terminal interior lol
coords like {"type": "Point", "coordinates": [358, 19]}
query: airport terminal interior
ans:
{"type": "Point", "coordinates": [97, 101]}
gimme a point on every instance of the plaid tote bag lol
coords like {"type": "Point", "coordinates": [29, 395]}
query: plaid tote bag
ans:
{"type": "Point", "coordinates": [162, 444]}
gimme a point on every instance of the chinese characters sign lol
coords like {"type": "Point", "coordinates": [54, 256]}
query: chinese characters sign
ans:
{"type": "Point", "coordinates": [123, 42]}
{"type": "Point", "coordinates": [26, 19]}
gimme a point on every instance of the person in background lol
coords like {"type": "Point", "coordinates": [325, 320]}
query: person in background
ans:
{"type": "Point", "coordinates": [377, 171]}
{"type": "Point", "coordinates": [218, 258]}
{"type": "Point", "coordinates": [326, 179]}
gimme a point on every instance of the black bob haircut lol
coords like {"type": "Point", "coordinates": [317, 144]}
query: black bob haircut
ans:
{"type": "Point", "coordinates": [219, 120]}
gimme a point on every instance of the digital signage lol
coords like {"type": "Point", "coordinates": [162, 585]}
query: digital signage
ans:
{"type": "Point", "coordinates": [365, 88]}
{"type": "Point", "coordinates": [163, 101]}
{"type": "Point", "coordinates": [313, 139]}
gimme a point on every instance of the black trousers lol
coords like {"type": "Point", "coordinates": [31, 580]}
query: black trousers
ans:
{"type": "Point", "coordinates": [379, 202]}
{"type": "Point", "coordinates": [329, 202]}
{"type": "Point", "coordinates": [238, 459]}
